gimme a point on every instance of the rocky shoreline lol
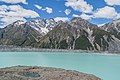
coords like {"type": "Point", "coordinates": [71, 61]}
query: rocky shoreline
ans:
{"type": "Point", "coordinates": [42, 73]}
{"type": "Point", "coordinates": [11, 48]}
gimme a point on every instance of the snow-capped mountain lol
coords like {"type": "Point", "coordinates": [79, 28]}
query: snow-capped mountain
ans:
{"type": "Point", "coordinates": [38, 25]}
{"type": "Point", "coordinates": [75, 34]}
{"type": "Point", "coordinates": [42, 25]}
{"type": "Point", "coordinates": [23, 33]}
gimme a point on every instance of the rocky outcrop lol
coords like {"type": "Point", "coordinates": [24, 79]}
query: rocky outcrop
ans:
{"type": "Point", "coordinates": [42, 73]}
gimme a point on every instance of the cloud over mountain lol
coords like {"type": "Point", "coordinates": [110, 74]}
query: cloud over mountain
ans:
{"type": "Point", "coordinates": [106, 12]}
{"type": "Point", "coordinates": [12, 13]}
{"type": "Point", "coordinates": [79, 5]}
{"type": "Point", "coordinates": [112, 2]}
{"type": "Point", "coordinates": [61, 18]}
{"type": "Point", "coordinates": [15, 1]}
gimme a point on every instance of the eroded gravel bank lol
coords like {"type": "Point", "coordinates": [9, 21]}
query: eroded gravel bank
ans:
{"type": "Point", "coordinates": [42, 73]}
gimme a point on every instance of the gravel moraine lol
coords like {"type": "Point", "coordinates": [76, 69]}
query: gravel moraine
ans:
{"type": "Point", "coordinates": [42, 73]}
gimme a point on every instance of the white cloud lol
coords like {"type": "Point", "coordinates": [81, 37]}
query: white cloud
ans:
{"type": "Point", "coordinates": [67, 11]}
{"type": "Point", "coordinates": [75, 15]}
{"type": "Point", "coordinates": [10, 14]}
{"type": "Point", "coordinates": [99, 25]}
{"type": "Point", "coordinates": [112, 2]}
{"type": "Point", "coordinates": [60, 11]}
{"type": "Point", "coordinates": [49, 10]}
{"type": "Point", "coordinates": [39, 7]}
{"type": "Point", "coordinates": [79, 5]}
{"type": "Point", "coordinates": [14, 1]}
{"type": "Point", "coordinates": [61, 19]}
{"type": "Point", "coordinates": [83, 16]}
{"type": "Point", "coordinates": [10, 19]}
{"type": "Point", "coordinates": [106, 12]}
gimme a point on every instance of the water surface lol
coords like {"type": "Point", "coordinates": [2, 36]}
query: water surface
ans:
{"type": "Point", "coordinates": [106, 67]}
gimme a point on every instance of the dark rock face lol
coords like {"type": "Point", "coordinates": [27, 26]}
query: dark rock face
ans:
{"type": "Point", "coordinates": [42, 73]}
{"type": "Point", "coordinates": [75, 34]}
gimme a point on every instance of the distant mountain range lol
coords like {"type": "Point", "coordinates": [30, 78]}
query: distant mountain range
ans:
{"type": "Point", "coordinates": [75, 34]}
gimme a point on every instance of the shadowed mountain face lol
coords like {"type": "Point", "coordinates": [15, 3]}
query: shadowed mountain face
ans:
{"type": "Point", "coordinates": [22, 33]}
{"type": "Point", "coordinates": [19, 34]}
{"type": "Point", "coordinates": [75, 34]}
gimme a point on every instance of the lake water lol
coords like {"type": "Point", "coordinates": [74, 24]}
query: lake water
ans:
{"type": "Point", "coordinates": [106, 67]}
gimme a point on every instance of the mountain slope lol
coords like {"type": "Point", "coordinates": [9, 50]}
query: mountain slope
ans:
{"type": "Point", "coordinates": [75, 34]}
{"type": "Point", "coordinates": [114, 29]}
{"type": "Point", "coordinates": [19, 34]}
{"type": "Point", "coordinates": [22, 33]}
{"type": "Point", "coordinates": [58, 37]}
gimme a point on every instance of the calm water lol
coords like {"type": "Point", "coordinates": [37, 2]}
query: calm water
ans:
{"type": "Point", "coordinates": [103, 66]}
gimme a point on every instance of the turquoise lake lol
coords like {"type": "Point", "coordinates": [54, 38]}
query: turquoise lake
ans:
{"type": "Point", "coordinates": [106, 67]}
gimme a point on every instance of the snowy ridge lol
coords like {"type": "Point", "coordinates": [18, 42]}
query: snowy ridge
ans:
{"type": "Point", "coordinates": [43, 26]}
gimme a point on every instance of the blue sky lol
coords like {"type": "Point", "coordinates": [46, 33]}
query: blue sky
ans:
{"type": "Point", "coordinates": [96, 11]}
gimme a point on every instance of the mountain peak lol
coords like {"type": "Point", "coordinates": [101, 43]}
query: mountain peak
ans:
{"type": "Point", "coordinates": [81, 23]}
{"type": "Point", "coordinates": [77, 18]}
{"type": "Point", "coordinates": [19, 22]}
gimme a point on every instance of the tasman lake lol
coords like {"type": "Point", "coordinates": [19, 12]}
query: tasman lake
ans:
{"type": "Point", "coordinates": [104, 66]}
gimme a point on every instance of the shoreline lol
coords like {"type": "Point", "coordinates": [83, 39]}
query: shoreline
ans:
{"type": "Point", "coordinates": [11, 48]}
{"type": "Point", "coordinates": [52, 51]}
